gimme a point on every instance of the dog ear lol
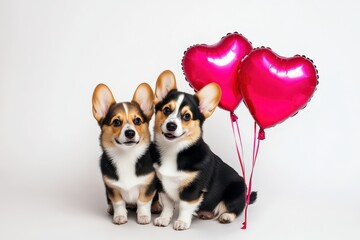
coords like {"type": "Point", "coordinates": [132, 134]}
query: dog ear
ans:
{"type": "Point", "coordinates": [164, 84]}
{"type": "Point", "coordinates": [209, 97]}
{"type": "Point", "coordinates": [102, 99]}
{"type": "Point", "coordinates": [144, 96]}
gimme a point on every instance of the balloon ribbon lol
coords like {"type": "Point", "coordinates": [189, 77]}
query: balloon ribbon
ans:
{"type": "Point", "coordinates": [256, 145]}
{"type": "Point", "coordinates": [234, 121]}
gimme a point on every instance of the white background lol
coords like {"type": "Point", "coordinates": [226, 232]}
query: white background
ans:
{"type": "Point", "coordinates": [54, 53]}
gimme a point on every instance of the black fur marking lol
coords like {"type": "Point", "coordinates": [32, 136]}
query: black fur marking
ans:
{"type": "Point", "coordinates": [146, 119]}
{"type": "Point", "coordinates": [114, 107]}
{"type": "Point", "coordinates": [215, 180]}
{"type": "Point", "coordinates": [119, 107]}
{"type": "Point", "coordinates": [153, 186]}
{"type": "Point", "coordinates": [189, 100]}
{"type": "Point", "coordinates": [107, 167]}
{"type": "Point", "coordinates": [144, 166]}
{"type": "Point", "coordinates": [109, 193]}
{"type": "Point", "coordinates": [154, 152]}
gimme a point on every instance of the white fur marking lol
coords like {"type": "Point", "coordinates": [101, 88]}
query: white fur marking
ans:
{"type": "Point", "coordinates": [175, 118]}
{"type": "Point", "coordinates": [143, 212]}
{"type": "Point", "coordinates": [227, 217]}
{"type": "Point", "coordinates": [126, 110]}
{"type": "Point", "coordinates": [120, 212]}
{"type": "Point", "coordinates": [167, 212]}
{"type": "Point", "coordinates": [186, 211]}
{"type": "Point", "coordinates": [125, 162]}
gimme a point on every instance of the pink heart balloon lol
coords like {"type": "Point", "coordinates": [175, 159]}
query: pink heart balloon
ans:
{"type": "Point", "coordinates": [219, 63]}
{"type": "Point", "coordinates": [274, 87]}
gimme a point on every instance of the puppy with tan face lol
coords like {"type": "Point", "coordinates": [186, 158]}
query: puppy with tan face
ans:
{"type": "Point", "coordinates": [126, 164]}
{"type": "Point", "coordinates": [190, 173]}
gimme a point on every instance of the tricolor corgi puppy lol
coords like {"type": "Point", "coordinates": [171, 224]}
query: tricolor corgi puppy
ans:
{"type": "Point", "coordinates": [126, 164]}
{"type": "Point", "coordinates": [190, 173]}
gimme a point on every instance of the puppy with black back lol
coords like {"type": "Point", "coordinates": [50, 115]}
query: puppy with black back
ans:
{"type": "Point", "coordinates": [191, 175]}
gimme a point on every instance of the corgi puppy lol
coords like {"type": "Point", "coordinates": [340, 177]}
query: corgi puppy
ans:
{"type": "Point", "coordinates": [191, 175]}
{"type": "Point", "coordinates": [126, 164]}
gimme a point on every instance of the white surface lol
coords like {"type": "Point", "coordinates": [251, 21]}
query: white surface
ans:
{"type": "Point", "coordinates": [53, 53]}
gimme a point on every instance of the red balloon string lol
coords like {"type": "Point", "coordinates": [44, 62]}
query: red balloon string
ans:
{"type": "Point", "coordinates": [234, 121]}
{"type": "Point", "coordinates": [256, 145]}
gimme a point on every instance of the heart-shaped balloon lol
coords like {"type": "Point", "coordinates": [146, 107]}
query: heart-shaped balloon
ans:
{"type": "Point", "coordinates": [274, 87]}
{"type": "Point", "coordinates": [219, 63]}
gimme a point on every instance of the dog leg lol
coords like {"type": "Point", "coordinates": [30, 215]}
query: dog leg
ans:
{"type": "Point", "coordinates": [143, 212]}
{"type": "Point", "coordinates": [167, 213]}
{"type": "Point", "coordinates": [120, 212]}
{"type": "Point", "coordinates": [186, 210]}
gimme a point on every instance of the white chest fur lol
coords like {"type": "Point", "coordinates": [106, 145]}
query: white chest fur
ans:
{"type": "Point", "coordinates": [171, 179]}
{"type": "Point", "coordinates": [128, 183]}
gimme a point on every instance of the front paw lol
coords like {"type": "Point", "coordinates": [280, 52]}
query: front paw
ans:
{"type": "Point", "coordinates": [120, 219]}
{"type": "Point", "coordinates": [144, 219]}
{"type": "Point", "coordinates": [162, 221]}
{"type": "Point", "coordinates": [181, 225]}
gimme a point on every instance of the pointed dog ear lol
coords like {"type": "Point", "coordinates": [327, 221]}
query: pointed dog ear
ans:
{"type": "Point", "coordinates": [144, 96]}
{"type": "Point", "coordinates": [164, 84]}
{"type": "Point", "coordinates": [102, 99]}
{"type": "Point", "coordinates": [209, 98]}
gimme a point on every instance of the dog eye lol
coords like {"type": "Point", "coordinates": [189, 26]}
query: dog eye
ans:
{"type": "Point", "coordinates": [137, 121]}
{"type": "Point", "coordinates": [117, 122]}
{"type": "Point", "coordinates": [186, 117]}
{"type": "Point", "coordinates": [166, 111]}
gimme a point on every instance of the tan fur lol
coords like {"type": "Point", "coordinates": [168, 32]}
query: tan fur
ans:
{"type": "Point", "coordinates": [164, 84]}
{"type": "Point", "coordinates": [143, 129]}
{"type": "Point", "coordinates": [116, 197]}
{"type": "Point", "coordinates": [160, 117]}
{"type": "Point", "coordinates": [191, 177]}
{"type": "Point", "coordinates": [220, 209]}
{"type": "Point", "coordinates": [209, 97]}
{"type": "Point", "coordinates": [144, 97]}
{"type": "Point", "coordinates": [109, 133]}
{"type": "Point", "coordinates": [194, 131]}
{"type": "Point", "coordinates": [143, 196]}
{"type": "Point", "coordinates": [192, 127]}
{"type": "Point", "coordinates": [171, 105]}
{"type": "Point", "coordinates": [102, 99]}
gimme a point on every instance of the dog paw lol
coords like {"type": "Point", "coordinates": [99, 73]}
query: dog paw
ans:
{"type": "Point", "coordinates": [227, 217]}
{"type": "Point", "coordinates": [144, 219]}
{"type": "Point", "coordinates": [162, 222]}
{"type": "Point", "coordinates": [120, 219]}
{"type": "Point", "coordinates": [181, 225]}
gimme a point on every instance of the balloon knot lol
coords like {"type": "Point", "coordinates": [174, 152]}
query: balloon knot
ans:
{"type": "Point", "coordinates": [261, 135]}
{"type": "Point", "coordinates": [243, 226]}
{"type": "Point", "coordinates": [233, 117]}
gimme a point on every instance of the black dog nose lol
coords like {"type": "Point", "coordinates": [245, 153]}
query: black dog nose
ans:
{"type": "Point", "coordinates": [130, 133]}
{"type": "Point", "coordinates": [171, 126]}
